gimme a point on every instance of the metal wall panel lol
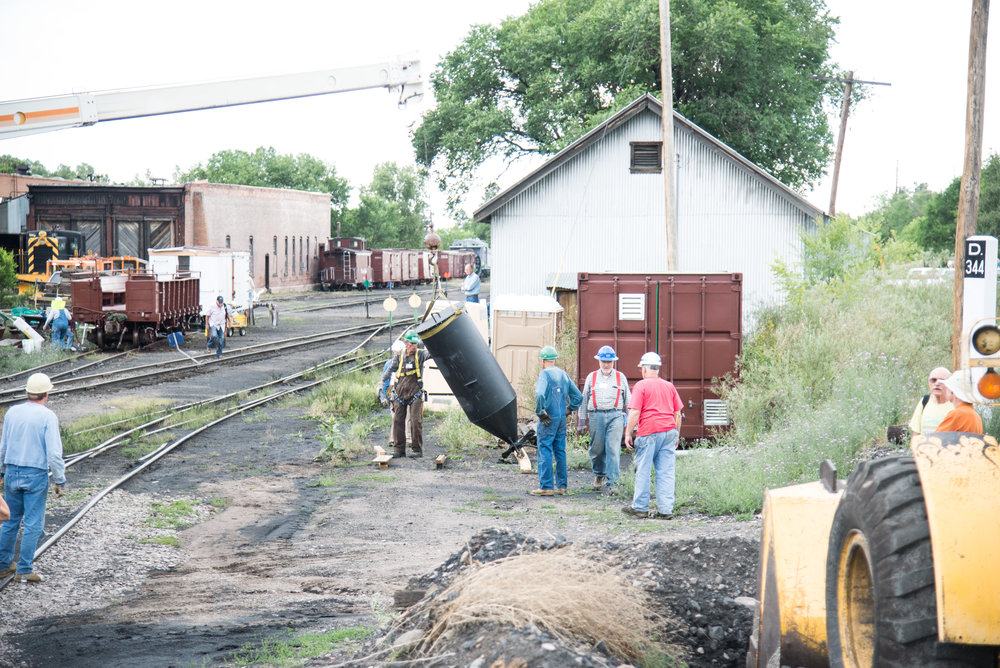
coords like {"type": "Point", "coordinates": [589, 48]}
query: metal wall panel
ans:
{"type": "Point", "coordinates": [694, 322]}
{"type": "Point", "coordinates": [593, 215]}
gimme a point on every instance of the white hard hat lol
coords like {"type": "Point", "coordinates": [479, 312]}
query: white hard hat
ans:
{"type": "Point", "coordinates": [650, 359]}
{"type": "Point", "coordinates": [398, 346]}
{"type": "Point", "coordinates": [38, 383]}
{"type": "Point", "coordinates": [960, 385]}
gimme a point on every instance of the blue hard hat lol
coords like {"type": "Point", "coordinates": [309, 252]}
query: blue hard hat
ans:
{"type": "Point", "coordinates": [606, 354]}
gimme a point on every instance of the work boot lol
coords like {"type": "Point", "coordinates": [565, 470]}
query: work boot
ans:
{"type": "Point", "coordinates": [416, 454]}
{"type": "Point", "coordinates": [599, 482]}
{"type": "Point", "coordinates": [9, 571]}
{"type": "Point", "coordinates": [632, 512]}
{"type": "Point", "coordinates": [561, 491]}
{"type": "Point", "coordinates": [27, 577]}
{"type": "Point", "coordinates": [654, 515]}
{"type": "Point", "coordinates": [540, 492]}
{"type": "Point", "coordinates": [399, 452]}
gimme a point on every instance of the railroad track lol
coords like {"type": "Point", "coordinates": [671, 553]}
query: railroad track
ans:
{"type": "Point", "coordinates": [340, 365]}
{"type": "Point", "coordinates": [70, 381]}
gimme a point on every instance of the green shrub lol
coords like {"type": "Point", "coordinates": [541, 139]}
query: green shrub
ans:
{"type": "Point", "coordinates": [823, 376]}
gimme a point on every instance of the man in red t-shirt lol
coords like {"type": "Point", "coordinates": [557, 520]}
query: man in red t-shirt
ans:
{"type": "Point", "coordinates": [656, 409]}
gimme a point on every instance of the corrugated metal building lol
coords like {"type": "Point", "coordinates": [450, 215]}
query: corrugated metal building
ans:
{"type": "Point", "coordinates": [598, 206]}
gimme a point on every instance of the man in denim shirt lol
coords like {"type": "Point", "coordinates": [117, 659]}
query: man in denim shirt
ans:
{"type": "Point", "coordinates": [30, 447]}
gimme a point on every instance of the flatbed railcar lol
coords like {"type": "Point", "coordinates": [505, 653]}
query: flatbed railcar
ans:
{"type": "Point", "coordinates": [137, 308]}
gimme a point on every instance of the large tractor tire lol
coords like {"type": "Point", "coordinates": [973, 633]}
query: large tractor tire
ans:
{"type": "Point", "coordinates": [880, 602]}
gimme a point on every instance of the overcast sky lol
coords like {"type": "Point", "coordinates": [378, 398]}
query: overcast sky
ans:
{"type": "Point", "coordinates": [910, 132]}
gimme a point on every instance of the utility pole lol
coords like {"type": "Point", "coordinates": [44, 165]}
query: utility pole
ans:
{"type": "Point", "coordinates": [845, 109]}
{"type": "Point", "coordinates": [968, 203]}
{"type": "Point", "coordinates": [668, 135]}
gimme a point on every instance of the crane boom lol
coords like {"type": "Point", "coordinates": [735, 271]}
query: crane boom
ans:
{"type": "Point", "coordinates": [31, 116]}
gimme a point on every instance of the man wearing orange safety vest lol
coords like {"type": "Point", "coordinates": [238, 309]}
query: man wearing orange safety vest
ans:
{"type": "Point", "coordinates": [606, 395]}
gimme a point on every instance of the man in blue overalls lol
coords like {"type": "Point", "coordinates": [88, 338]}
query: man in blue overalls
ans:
{"type": "Point", "coordinates": [554, 394]}
{"type": "Point", "coordinates": [59, 318]}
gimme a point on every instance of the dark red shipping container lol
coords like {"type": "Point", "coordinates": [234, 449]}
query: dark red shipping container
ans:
{"type": "Point", "coordinates": [693, 321]}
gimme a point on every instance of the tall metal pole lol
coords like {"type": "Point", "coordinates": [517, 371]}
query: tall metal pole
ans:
{"type": "Point", "coordinates": [845, 108]}
{"type": "Point", "coordinates": [968, 203]}
{"type": "Point", "coordinates": [669, 188]}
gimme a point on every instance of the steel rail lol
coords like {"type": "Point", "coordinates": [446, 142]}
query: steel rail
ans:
{"type": "Point", "coordinates": [167, 448]}
{"type": "Point", "coordinates": [109, 378]}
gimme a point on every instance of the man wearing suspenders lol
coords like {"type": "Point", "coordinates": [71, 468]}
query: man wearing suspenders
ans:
{"type": "Point", "coordinates": [408, 393]}
{"type": "Point", "coordinates": [606, 395]}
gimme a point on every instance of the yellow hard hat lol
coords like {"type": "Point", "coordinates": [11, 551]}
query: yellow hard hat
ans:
{"type": "Point", "coordinates": [58, 304]}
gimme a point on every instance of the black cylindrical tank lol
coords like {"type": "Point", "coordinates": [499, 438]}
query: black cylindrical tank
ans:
{"type": "Point", "coordinates": [471, 371]}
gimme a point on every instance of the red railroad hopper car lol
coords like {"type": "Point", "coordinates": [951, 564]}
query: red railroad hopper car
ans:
{"type": "Point", "coordinates": [387, 267]}
{"type": "Point", "coordinates": [136, 307]}
{"type": "Point", "coordinates": [424, 269]}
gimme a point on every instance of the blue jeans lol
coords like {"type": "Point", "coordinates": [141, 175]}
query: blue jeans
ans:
{"type": "Point", "coordinates": [606, 428]}
{"type": "Point", "coordinates": [472, 298]}
{"type": "Point", "coordinates": [61, 336]}
{"type": "Point", "coordinates": [218, 337]}
{"type": "Point", "coordinates": [552, 442]}
{"type": "Point", "coordinates": [25, 489]}
{"type": "Point", "coordinates": [655, 451]}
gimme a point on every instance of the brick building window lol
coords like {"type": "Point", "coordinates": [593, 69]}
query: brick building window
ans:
{"type": "Point", "coordinates": [228, 241]}
{"type": "Point", "coordinates": [252, 272]}
{"type": "Point", "coordinates": [275, 255]}
{"type": "Point", "coordinates": [286, 256]}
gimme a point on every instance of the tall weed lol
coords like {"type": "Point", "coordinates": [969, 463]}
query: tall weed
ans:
{"type": "Point", "coordinates": [822, 377]}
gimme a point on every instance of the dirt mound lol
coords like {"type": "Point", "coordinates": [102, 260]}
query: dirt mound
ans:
{"type": "Point", "coordinates": [700, 592]}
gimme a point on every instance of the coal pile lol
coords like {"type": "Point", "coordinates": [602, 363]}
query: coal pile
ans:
{"type": "Point", "coordinates": [702, 587]}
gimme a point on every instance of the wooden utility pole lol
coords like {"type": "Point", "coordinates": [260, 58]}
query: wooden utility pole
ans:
{"type": "Point", "coordinates": [845, 109]}
{"type": "Point", "coordinates": [669, 188]}
{"type": "Point", "coordinates": [968, 203]}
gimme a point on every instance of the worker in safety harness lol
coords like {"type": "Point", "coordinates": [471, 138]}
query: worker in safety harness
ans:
{"type": "Point", "coordinates": [555, 396]}
{"type": "Point", "coordinates": [408, 395]}
{"type": "Point", "coordinates": [606, 395]}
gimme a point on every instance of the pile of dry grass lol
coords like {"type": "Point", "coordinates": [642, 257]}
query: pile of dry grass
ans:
{"type": "Point", "coordinates": [573, 597]}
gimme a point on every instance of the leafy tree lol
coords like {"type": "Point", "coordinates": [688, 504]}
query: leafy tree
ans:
{"type": "Point", "coordinates": [8, 278]}
{"type": "Point", "coordinates": [898, 210]}
{"type": "Point", "coordinates": [83, 171]}
{"type": "Point", "coordinates": [741, 70]}
{"type": "Point", "coordinates": [264, 167]}
{"type": "Point", "coordinates": [392, 212]}
{"type": "Point", "coordinates": [470, 229]}
{"type": "Point", "coordinates": [937, 229]}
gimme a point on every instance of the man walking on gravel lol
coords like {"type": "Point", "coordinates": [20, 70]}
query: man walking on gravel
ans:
{"type": "Point", "coordinates": [606, 395]}
{"type": "Point", "coordinates": [217, 320]}
{"type": "Point", "coordinates": [30, 447]}
{"type": "Point", "coordinates": [408, 396]}
{"type": "Point", "coordinates": [554, 394]}
{"type": "Point", "coordinates": [656, 409]}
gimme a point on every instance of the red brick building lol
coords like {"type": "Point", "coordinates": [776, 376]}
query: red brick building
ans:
{"type": "Point", "coordinates": [280, 228]}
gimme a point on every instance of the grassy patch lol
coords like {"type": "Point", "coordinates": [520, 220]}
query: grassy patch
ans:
{"type": "Point", "coordinates": [174, 515]}
{"type": "Point", "coordinates": [377, 477]}
{"type": "Point", "coordinates": [455, 432]}
{"type": "Point", "coordinates": [347, 411]}
{"type": "Point", "coordinates": [171, 540]}
{"type": "Point", "coordinates": [219, 502]}
{"type": "Point", "coordinates": [101, 425]}
{"type": "Point", "coordinates": [289, 649]}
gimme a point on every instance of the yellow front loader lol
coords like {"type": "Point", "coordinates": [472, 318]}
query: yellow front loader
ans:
{"type": "Point", "coordinates": [898, 567]}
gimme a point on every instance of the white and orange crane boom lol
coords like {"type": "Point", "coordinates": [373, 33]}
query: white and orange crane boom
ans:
{"type": "Point", "coordinates": [45, 114]}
